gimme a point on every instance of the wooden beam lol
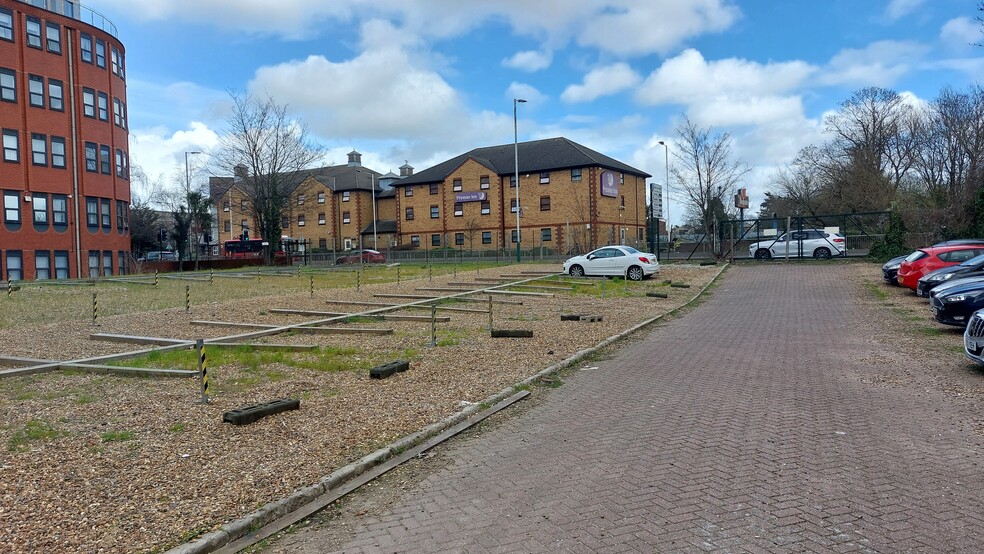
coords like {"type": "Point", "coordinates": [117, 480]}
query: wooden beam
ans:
{"type": "Point", "coordinates": [409, 306]}
{"type": "Point", "coordinates": [341, 330]}
{"type": "Point", "coordinates": [133, 371]}
{"type": "Point", "coordinates": [521, 293]}
{"type": "Point", "coordinates": [385, 317]}
{"type": "Point", "coordinates": [265, 346]}
{"type": "Point", "coordinates": [137, 339]}
{"type": "Point", "coordinates": [233, 325]}
{"type": "Point", "coordinates": [544, 287]}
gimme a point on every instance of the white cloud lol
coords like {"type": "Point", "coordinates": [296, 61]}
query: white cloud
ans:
{"type": "Point", "coordinates": [529, 61]}
{"type": "Point", "coordinates": [602, 81]}
{"type": "Point", "coordinates": [880, 63]}
{"type": "Point", "coordinates": [527, 92]}
{"type": "Point", "coordinates": [960, 33]}
{"type": "Point", "coordinates": [897, 9]}
{"type": "Point", "coordinates": [160, 153]}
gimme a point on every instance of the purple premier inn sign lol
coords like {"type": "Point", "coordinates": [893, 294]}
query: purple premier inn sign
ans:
{"type": "Point", "coordinates": [461, 197]}
{"type": "Point", "coordinates": [609, 184]}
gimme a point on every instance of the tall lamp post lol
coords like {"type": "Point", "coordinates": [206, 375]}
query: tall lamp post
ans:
{"type": "Point", "coordinates": [516, 101]}
{"type": "Point", "coordinates": [188, 198]}
{"type": "Point", "coordinates": [666, 166]}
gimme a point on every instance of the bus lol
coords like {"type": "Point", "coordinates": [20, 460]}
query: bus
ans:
{"type": "Point", "coordinates": [250, 248]}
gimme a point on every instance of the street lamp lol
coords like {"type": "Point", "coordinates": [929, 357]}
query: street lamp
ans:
{"type": "Point", "coordinates": [516, 157]}
{"type": "Point", "coordinates": [188, 197]}
{"type": "Point", "coordinates": [666, 166]}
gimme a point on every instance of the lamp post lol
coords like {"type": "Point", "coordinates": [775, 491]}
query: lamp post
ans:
{"type": "Point", "coordinates": [188, 197]}
{"type": "Point", "coordinates": [516, 101]}
{"type": "Point", "coordinates": [666, 166]}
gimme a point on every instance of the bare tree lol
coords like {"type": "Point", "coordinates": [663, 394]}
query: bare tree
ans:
{"type": "Point", "coordinates": [472, 227]}
{"type": "Point", "coordinates": [273, 149]}
{"type": "Point", "coordinates": [706, 172]}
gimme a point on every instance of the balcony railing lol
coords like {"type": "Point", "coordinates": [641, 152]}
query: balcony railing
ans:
{"type": "Point", "coordinates": [68, 8]}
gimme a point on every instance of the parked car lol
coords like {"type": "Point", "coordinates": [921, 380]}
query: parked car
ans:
{"type": "Point", "coordinates": [890, 269]}
{"type": "Point", "coordinates": [616, 261]}
{"type": "Point", "coordinates": [974, 337]}
{"type": "Point", "coordinates": [924, 260]}
{"type": "Point", "coordinates": [159, 256]}
{"type": "Point", "coordinates": [955, 305]}
{"type": "Point", "coordinates": [361, 256]}
{"type": "Point", "coordinates": [970, 268]}
{"type": "Point", "coordinates": [808, 242]}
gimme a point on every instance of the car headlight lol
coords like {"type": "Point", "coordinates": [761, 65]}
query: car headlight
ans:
{"type": "Point", "coordinates": [940, 277]}
{"type": "Point", "coordinates": [892, 266]}
{"type": "Point", "coordinates": [955, 298]}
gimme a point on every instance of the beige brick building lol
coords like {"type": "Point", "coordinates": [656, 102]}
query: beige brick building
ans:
{"type": "Point", "coordinates": [570, 198]}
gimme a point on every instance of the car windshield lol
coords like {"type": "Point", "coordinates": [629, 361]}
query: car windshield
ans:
{"type": "Point", "coordinates": [917, 255]}
{"type": "Point", "coordinates": [975, 261]}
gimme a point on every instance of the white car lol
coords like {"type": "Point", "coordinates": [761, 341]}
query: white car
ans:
{"type": "Point", "coordinates": [616, 261]}
{"type": "Point", "coordinates": [808, 242]}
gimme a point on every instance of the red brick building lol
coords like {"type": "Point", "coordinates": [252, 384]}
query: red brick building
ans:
{"type": "Point", "coordinates": [64, 167]}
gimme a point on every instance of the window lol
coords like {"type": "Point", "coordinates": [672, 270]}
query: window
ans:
{"type": "Point", "coordinates": [300, 220]}
{"type": "Point", "coordinates": [11, 206]}
{"type": "Point", "coordinates": [122, 114]}
{"type": "Point", "coordinates": [415, 240]}
{"type": "Point", "coordinates": [621, 203]}
{"type": "Point", "coordinates": [323, 244]}
{"type": "Point", "coordinates": [6, 25]}
{"type": "Point", "coordinates": [226, 205]}
{"type": "Point", "coordinates": [8, 85]}
{"type": "Point", "coordinates": [459, 209]}
{"type": "Point", "coordinates": [100, 53]}
{"type": "Point", "coordinates": [114, 59]}
{"type": "Point", "coordinates": [321, 218]}
{"type": "Point", "coordinates": [483, 182]}
{"type": "Point", "coordinates": [121, 262]}
{"type": "Point", "coordinates": [409, 214]}
{"type": "Point", "coordinates": [104, 165]}
{"type": "Point", "coordinates": [434, 188]}
{"type": "Point", "coordinates": [53, 34]}
{"type": "Point", "coordinates": [243, 205]}
{"type": "Point", "coordinates": [35, 90]}
{"type": "Point", "coordinates": [56, 95]}
{"type": "Point", "coordinates": [408, 191]}
{"type": "Point", "coordinates": [88, 102]}
{"type": "Point", "coordinates": [284, 222]}
{"type": "Point", "coordinates": [59, 209]}
{"type": "Point", "coordinates": [486, 237]}
{"type": "Point", "coordinates": [103, 106]}
{"type": "Point", "coordinates": [459, 238]}
{"type": "Point", "coordinates": [512, 235]}
{"type": "Point", "coordinates": [576, 174]}
{"type": "Point", "coordinates": [119, 163]}
{"type": "Point", "coordinates": [512, 181]}
{"type": "Point", "coordinates": [33, 32]}
{"type": "Point", "coordinates": [227, 227]}
{"type": "Point", "coordinates": [91, 162]}
{"type": "Point", "coordinates": [300, 199]}
{"type": "Point", "coordinates": [58, 152]}
{"type": "Point", "coordinates": [14, 267]}
{"type": "Point", "coordinates": [435, 240]}
{"type": "Point", "coordinates": [119, 215]}
{"type": "Point", "coordinates": [91, 212]}
{"type": "Point", "coordinates": [345, 196]}
{"type": "Point", "coordinates": [107, 218]}
{"type": "Point", "coordinates": [107, 263]}
{"type": "Point", "coordinates": [456, 185]}
{"type": "Point", "coordinates": [61, 264]}
{"type": "Point", "coordinates": [93, 263]}
{"type": "Point", "coordinates": [321, 198]}
{"type": "Point", "coordinates": [126, 216]}
{"type": "Point", "coordinates": [486, 208]}
{"type": "Point", "coordinates": [545, 235]}
{"type": "Point", "coordinates": [435, 212]}
{"type": "Point", "coordinates": [544, 203]}
{"type": "Point", "coordinates": [39, 149]}
{"type": "Point", "coordinates": [121, 68]}
{"type": "Point", "coordinates": [346, 217]}
{"type": "Point", "coordinates": [42, 264]}
{"type": "Point", "coordinates": [11, 148]}
{"type": "Point", "coordinates": [544, 177]}
{"type": "Point", "coordinates": [86, 41]}
{"type": "Point", "coordinates": [512, 205]}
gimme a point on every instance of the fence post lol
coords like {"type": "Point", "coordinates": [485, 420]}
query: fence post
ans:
{"type": "Point", "coordinates": [358, 279]}
{"type": "Point", "coordinates": [312, 286]}
{"type": "Point", "coordinates": [211, 277]}
{"type": "Point", "coordinates": [95, 308]}
{"type": "Point", "coordinates": [433, 325]}
{"type": "Point", "coordinates": [490, 313]}
{"type": "Point", "coordinates": [187, 299]}
{"type": "Point", "coordinates": [155, 277]}
{"type": "Point", "coordinates": [202, 368]}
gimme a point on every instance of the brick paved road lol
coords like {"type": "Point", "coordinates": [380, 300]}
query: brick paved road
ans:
{"type": "Point", "coordinates": [749, 425]}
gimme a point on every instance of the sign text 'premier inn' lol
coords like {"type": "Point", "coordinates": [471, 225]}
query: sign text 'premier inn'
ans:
{"type": "Point", "coordinates": [609, 184]}
{"type": "Point", "coordinates": [462, 197]}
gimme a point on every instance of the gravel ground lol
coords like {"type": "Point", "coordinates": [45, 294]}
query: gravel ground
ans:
{"type": "Point", "coordinates": [101, 463]}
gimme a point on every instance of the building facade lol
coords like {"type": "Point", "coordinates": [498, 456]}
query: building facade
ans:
{"type": "Point", "coordinates": [64, 175]}
{"type": "Point", "coordinates": [571, 199]}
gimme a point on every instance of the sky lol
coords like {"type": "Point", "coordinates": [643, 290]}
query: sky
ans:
{"type": "Point", "coordinates": [420, 81]}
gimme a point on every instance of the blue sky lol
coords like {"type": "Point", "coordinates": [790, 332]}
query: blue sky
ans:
{"type": "Point", "coordinates": [421, 81]}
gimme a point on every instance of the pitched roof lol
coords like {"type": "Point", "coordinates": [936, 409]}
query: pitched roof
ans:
{"type": "Point", "coordinates": [534, 156]}
{"type": "Point", "coordinates": [337, 178]}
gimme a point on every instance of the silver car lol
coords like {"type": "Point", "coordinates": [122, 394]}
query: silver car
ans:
{"type": "Point", "coordinates": [808, 242]}
{"type": "Point", "coordinates": [614, 261]}
{"type": "Point", "coordinates": [974, 337]}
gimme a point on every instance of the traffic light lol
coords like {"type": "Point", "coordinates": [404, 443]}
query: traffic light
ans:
{"type": "Point", "coordinates": [208, 238]}
{"type": "Point", "coordinates": [162, 235]}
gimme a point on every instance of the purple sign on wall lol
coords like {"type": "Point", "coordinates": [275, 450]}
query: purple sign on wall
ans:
{"type": "Point", "coordinates": [461, 197]}
{"type": "Point", "coordinates": [609, 184]}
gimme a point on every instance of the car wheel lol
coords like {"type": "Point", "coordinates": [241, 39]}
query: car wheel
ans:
{"type": "Point", "coordinates": [821, 253]}
{"type": "Point", "coordinates": [763, 254]}
{"type": "Point", "coordinates": [635, 273]}
{"type": "Point", "coordinates": [576, 271]}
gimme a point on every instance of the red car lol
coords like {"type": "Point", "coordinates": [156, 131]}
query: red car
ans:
{"type": "Point", "coordinates": [361, 256]}
{"type": "Point", "coordinates": [928, 259]}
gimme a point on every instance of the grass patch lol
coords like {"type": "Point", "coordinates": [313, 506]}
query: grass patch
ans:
{"type": "Point", "coordinates": [874, 289]}
{"type": "Point", "coordinates": [930, 331]}
{"type": "Point", "coordinates": [116, 436]}
{"type": "Point", "coordinates": [36, 430]}
{"type": "Point", "coordinates": [178, 428]}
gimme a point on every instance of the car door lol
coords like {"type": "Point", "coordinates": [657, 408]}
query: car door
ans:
{"type": "Point", "coordinates": [778, 248]}
{"type": "Point", "coordinates": [600, 262]}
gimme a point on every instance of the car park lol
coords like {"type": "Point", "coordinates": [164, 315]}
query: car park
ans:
{"type": "Point", "coordinates": [956, 305]}
{"type": "Point", "coordinates": [613, 261]}
{"type": "Point", "coordinates": [940, 289]}
{"type": "Point", "coordinates": [971, 268]}
{"type": "Point", "coordinates": [807, 242]}
{"type": "Point", "coordinates": [361, 257]}
{"type": "Point", "coordinates": [924, 260]}
{"type": "Point", "coordinates": [890, 269]}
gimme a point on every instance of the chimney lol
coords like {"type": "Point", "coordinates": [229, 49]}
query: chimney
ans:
{"type": "Point", "coordinates": [240, 171]}
{"type": "Point", "coordinates": [406, 170]}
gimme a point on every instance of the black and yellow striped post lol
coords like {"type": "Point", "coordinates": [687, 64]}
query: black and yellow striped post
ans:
{"type": "Point", "coordinates": [155, 277]}
{"type": "Point", "coordinates": [454, 271]}
{"type": "Point", "coordinates": [490, 313]}
{"type": "Point", "coordinates": [358, 279]}
{"type": "Point", "coordinates": [202, 368]}
{"type": "Point", "coordinates": [211, 277]}
{"type": "Point", "coordinates": [10, 289]}
{"type": "Point", "coordinates": [312, 286]}
{"type": "Point", "coordinates": [397, 275]}
{"type": "Point", "coordinates": [95, 308]}
{"type": "Point", "coordinates": [433, 325]}
{"type": "Point", "coordinates": [187, 299]}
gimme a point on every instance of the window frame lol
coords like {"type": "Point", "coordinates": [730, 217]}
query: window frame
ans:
{"type": "Point", "coordinates": [456, 185]}
{"type": "Point", "coordinates": [544, 177]}
{"type": "Point", "coordinates": [59, 210]}
{"type": "Point", "coordinates": [62, 271]}
{"type": "Point", "coordinates": [35, 95]}
{"type": "Point", "coordinates": [8, 93]}
{"type": "Point", "coordinates": [546, 234]}
{"type": "Point", "coordinates": [484, 183]}
{"type": "Point", "coordinates": [434, 188]}
{"type": "Point", "coordinates": [91, 212]}
{"type": "Point", "coordinates": [34, 37]}
{"type": "Point", "coordinates": [436, 239]}
{"type": "Point", "coordinates": [13, 134]}
{"type": "Point", "coordinates": [345, 196]}
{"type": "Point", "coordinates": [435, 211]}
{"type": "Point", "coordinates": [486, 207]}
{"type": "Point", "coordinates": [58, 160]}
{"type": "Point", "coordinates": [459, 209]}
{"type": "Point", "coordinates": [89, 102]}
{"type": "Point", "coordinates": [415, 240]}
{"type": "Point", "coordinates": [408, 213]}
{"type": "Point", "coordinates": [53, 45]}
{"type": "Point", "coordinates": [11, 207]}
{"type": "Point", "coordinates": [486, 237]}
{"type": "Point", "coordinates": [6, 25]}
{"type": "Point", "coordinates": [301, 220]}
{"type": "Point", "coordinates": [105, 160]}
{"type": "Point", "coordinates": [576, 176]}
{"type": "Point", "coordinates": [56, 102]}
{"type": "Point", "coordinates": [100, 53]}
{"type": "Point", "coordinates": [322, 218]}
{"type": "Point", "coordinates": [105, 215]}
{"type": "Point", "coordinates": [545, 203]}
{"type": "Point", "coordinates": [321, 197]}
{"type": "Point", "coordinates": [102, 106]}
{"type": "Point", "coordinates": [85, 39]}
{"type": "Point", "coordinates": [408, 190]}
{"type": "Point", "coordinates": [39, 256]}
{"type": "Point", "coordinates": [14, 255]}
{"type": "Point", "coordinates": [42, 140]}
{"type": "Point", "coordinates": [459, 239]}
{"type": "Point", "coordinates": [91, 162]}
{"type": "Point", "coordinates": [346, 217]}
